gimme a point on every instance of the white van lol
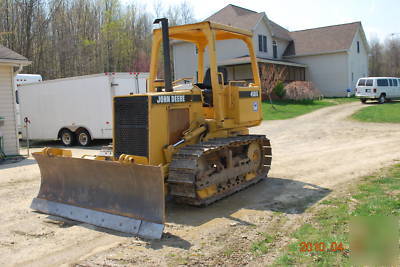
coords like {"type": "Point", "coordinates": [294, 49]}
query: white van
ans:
{"type": "Point", "coordinates": [378, 88]}
{"type": "Point", "coordinates": [27, 78]}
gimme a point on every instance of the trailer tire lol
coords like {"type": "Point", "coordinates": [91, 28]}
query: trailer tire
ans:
{"type": "Point", "coordinates": [67, 137]}
{"type": "Point", "coordinates": [83, 137]}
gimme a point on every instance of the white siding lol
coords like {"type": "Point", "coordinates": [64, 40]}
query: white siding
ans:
{"type": "Point", "coordinates": [358, 62]}
{"type": "Point", "coordinates": [7, 110]}
{"type": "Point", "coordinates": [262, 29]}
{"type": "Point", "coordinates": [329, 72]}
{"type": "Point", "coordinates": [185, 57]}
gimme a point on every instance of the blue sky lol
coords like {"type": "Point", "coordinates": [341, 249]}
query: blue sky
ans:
{"type": "Point", "coordinates": [380, 18]}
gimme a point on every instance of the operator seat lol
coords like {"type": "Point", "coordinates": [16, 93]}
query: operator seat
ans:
{"type": "Point", "coordinates": [206, 86]}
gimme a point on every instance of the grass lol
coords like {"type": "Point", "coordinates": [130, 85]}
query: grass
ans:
{"type": "Point", "coordinates": [262, 246]}
{"type": "Point", "coordinates": [286, 109]}
{"type": "Point", "coordinates": [376, 196]}
{"type": "Point", "coordinates": [389, 112]}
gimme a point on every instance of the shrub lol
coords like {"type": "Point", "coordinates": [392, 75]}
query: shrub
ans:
{"type": "Point", "coordinates": [279, 90]}
{"type": "Point", "coordinates": [302, 90]}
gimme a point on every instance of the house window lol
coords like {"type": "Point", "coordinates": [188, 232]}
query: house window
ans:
{"type": "Point", "coordinates": [275, 49]}
{"type": "Point", "coordinates": [358, 47]}
{"type": "Point", "coordinates": [262, 43]}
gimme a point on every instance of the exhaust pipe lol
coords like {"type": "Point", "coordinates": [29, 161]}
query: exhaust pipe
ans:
{"type": "Point", "coordinates": [167, 58]}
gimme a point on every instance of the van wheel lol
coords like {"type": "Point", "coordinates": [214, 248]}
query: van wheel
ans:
{"type": "Point", "coordinates": [67, 137]}
{"type": "Point", "coordinates": [363, 101]}
{"type": "Point", "coordinates": [83, 137]}
{"type": "Point", "coordinates": [382, 99]}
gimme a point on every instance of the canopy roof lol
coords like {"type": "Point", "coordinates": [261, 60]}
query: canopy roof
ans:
{"type": "Point", "coordinates": [196, 33]}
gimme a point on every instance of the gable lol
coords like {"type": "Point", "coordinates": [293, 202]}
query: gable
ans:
{"type": "Point", "coordinates": [236, 17]}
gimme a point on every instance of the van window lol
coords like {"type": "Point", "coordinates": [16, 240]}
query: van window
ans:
{"type": "Point", "coordinates": [383, 82]}
{"type": "Point", "coordinates": [394, 82]}
{"type": "Point", "coordinates": [369, 82]}
{"type": "Point", "coordinates": [390, 82]}
{"type": "Point", "coordinates": [361, 82]}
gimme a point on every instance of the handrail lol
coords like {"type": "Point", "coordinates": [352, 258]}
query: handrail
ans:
{"type": "Point", "coordinates": [182, 79]}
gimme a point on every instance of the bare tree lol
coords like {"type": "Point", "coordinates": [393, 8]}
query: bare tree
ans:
{"type": "Point", "coordinates": [271, 75]}
{"type": "Point", "coordinates": [65, 38]}
{"type": "Point", "coordinates": [376, 57]}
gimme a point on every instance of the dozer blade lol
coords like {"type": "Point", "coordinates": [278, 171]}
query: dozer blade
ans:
{"type": "Point", "coordinates": [119, 196]}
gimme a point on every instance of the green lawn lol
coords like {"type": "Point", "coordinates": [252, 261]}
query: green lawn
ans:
{"type": "Point", "coordinates": [286, 109]}
{"type": "Point", "coordinates": [377, 198]}
{"type": "Point", "coordinates": [388, 112]}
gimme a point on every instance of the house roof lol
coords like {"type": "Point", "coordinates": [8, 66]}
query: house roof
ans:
{"type": "Point", "coordinates": [247, 19]}
{"type": "Point", "coordinates": [236, 16]}
{"type": "Point", "coordinates": [279, 32]}
{"type": "Point", "coordinates": [322, 40]}
{"type": "Point", "coordinates": [9, 55]}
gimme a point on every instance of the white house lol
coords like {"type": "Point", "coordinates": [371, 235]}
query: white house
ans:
{"type": "Point", "coordinates": [10, 64]}
{"type": "Point", "coordinates": [332, 57]}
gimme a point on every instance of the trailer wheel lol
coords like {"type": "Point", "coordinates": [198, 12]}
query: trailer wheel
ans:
{"type": "Point", "coordinates": [67, 137]}
{"type": "Point", "coordinates": [83, 137]}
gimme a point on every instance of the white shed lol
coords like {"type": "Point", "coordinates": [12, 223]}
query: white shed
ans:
{"type": "Point", "coordinates": [10, 64]}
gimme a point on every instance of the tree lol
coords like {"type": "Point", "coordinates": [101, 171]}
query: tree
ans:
{"type": "Point", "coordinates": [271, 76]}
{"type": "Point", "coordinates": [66, 38]}
{"type": "Point", "coordinates": [375, 59]}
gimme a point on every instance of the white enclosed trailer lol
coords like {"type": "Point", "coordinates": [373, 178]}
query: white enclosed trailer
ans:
{"type": "Point", "coordinates": [76, 109]}
{"type": "Point", "coordinates": [21, 79]}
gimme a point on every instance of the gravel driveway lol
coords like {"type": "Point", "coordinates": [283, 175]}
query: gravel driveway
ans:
{"type": "Point", "coordinates": [313, 155]}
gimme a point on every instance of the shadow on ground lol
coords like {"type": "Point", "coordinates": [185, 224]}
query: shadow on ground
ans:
{"type": "Point", "coordinates": [7, 164]}
{"type": "Point", "coordinates": [373, 102]}
{"type": "Point", "coordinates": [271, 194]}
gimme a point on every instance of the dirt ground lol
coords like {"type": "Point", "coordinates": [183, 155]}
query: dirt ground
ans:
{"type": "Point", "coordinates": [313, 156]}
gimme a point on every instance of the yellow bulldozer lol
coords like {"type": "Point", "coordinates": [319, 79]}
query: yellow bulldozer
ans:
{"type": "Point", "coordinates": [191, 144]}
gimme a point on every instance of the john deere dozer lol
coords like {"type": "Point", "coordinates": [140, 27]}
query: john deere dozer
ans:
{"type": "Point", "coordinates": [192, 144]}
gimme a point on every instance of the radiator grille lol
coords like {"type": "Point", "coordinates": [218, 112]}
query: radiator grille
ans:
{"type": "Point", "coordinates": [131, 126]}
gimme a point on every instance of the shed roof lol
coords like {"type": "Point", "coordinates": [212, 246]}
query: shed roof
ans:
{"type": "Point", "coordinates": [7, 54]}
